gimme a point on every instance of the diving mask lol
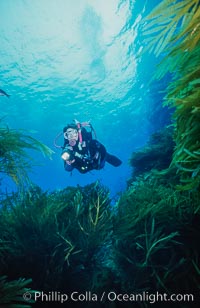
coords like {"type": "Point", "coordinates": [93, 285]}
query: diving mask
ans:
{"type": "Point", "coordinates": [71, 134]}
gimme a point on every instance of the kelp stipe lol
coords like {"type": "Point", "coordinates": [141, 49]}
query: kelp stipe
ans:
{"type": "Point", "coordinates": [173, 29]}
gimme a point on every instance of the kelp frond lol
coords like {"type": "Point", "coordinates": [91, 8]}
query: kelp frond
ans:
{"type": "Point", "coordinates": [174, 29]}
{"type": "Point", "coordinates": [163, 25]}
{"type": "Point", "coordinates": [12, 293]}
{"type": "Point", "coordinates": [152, 235]}
{"type": "Point", "coordinates": [51, 236]}
{"type": "Point", "coordinates": [14, 158]}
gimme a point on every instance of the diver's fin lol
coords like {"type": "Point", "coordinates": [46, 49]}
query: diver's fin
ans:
{"type": "Point", "coordinates": [113, 160]}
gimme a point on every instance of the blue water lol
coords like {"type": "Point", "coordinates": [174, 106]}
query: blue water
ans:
{"type": "Point", "coordinates": [79, 59]}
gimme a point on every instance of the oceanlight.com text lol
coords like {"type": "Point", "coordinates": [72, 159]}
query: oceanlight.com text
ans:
{"type": "Point", "coordinates": [88, 296]}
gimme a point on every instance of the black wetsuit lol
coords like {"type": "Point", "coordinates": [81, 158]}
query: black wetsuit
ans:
{"type": "Point", "coordinates": [88, 155]}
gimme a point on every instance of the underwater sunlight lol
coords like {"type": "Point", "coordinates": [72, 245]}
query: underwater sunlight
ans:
{"type": "Point", "coordinates": [99, 153]}
{"type": "Point", "coordinates": [75, 60]}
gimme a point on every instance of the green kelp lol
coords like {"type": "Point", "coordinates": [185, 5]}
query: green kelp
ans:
{"type": "Point", "coordinates": [173, 29]}
{"type": "Point", "coordinates": [155, 240]}
{"type": "Point", "coordinates": [14, 159]}
{"type": "Point", "coordinates": [57, 239]}
{"type": "Point", "coordinates": [154, 157]}
{"type": "Point", "coordinates": [74, 240]}
{"type": "Point", "coordinates": [12, 293]}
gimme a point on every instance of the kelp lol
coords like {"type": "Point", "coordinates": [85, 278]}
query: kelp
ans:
{"type": "Point", "coordinates": [12, 293]}
{"type": "Point", "coordinates": [75, 240]}
{"type": "Point", "coordinates": [173, 29]}
{"type": "Point", "coordinates": [154, 158]}
{"type": "Point", "coordinates": [15, 160]}
{"type": "Point", "coordinates": [171, 22]}
{"type": "Point", "coordinates": [62, 235]}
{"type": "Point", "coordinates": [155, 239]}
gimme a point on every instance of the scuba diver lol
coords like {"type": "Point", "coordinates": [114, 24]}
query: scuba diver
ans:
{"type": "Point", "coordinates": [81, 151]}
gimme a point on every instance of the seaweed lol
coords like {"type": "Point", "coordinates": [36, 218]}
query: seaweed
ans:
{"type": "Point", "coordinates": [60, 235]}
{"type": "Point", "coordinates": [12, 293]}
{"type": "Point", "coordinates": [14, 158]}
{"type": "Point", "coordinates": [74, 240]}
{"type": "Point", "coordinates": [173, 30]}
{"type": "Point", "coordinates": [155, 239]}
{"type": "Point", "coordinates": [156, 155]}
